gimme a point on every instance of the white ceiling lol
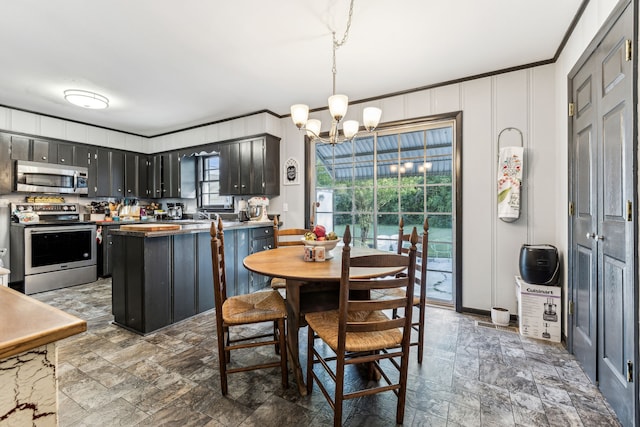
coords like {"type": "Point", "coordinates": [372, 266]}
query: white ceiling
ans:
{"type": "Point", "coordinates": [167, 65]}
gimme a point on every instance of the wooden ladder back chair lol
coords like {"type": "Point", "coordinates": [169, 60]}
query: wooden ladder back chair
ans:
{"type": "Point", "coordinates": [419, 301]}
{"type": "Point", "coordinates": [290, 237]}
{"type": "Point", "coordinates": [360, 332]}
{"type": "Point", "coordinates": [258, 307]}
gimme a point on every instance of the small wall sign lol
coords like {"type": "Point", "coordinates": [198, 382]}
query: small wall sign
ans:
{"type": "Point", "coordinates": [291, 172]}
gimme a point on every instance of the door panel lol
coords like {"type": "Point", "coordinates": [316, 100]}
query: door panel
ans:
{"type": "Point", "coordinates": [583, 276]}
{"type": "Point", "coordinates": [584, 334]}
{"type": "Point", "coordinates": [612, 313]}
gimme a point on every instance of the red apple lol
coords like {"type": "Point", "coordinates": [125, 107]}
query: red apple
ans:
{"type": "Point", "coordinates": [321, 239]}
{"type": "Point", "coordinates": [319, 230]}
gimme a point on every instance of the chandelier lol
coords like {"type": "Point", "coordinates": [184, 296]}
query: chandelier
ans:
{"type": "Point", "coordinates": [337, 108]}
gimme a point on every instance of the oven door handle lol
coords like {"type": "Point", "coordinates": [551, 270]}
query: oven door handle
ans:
{"type": "Point", "coordinates": [75, 182]}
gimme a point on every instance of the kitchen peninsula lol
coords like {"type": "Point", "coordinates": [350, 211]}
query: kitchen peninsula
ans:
{"type": "Point", "coordinates": [164, 275]}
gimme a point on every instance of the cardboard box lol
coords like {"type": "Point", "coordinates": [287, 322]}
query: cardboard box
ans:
{"type": "Point", "coordinates": [539, 310]}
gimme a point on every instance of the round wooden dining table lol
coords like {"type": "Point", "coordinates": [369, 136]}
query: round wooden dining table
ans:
{"type": "Point", "coordinates": [311, 286]}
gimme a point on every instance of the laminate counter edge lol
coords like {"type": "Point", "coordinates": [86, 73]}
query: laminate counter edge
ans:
{"type": "Point", "coordinates": [26, 323]}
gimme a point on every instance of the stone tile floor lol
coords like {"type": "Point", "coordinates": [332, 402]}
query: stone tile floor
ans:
{"type": "Point", "coordinates": [471, 376]}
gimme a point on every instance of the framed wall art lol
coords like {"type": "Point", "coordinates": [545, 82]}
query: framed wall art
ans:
{"type": "Point", "coordinates": [291, 171]}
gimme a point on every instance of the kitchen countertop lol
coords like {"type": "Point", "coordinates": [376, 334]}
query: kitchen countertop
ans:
{"type": "Point", "coordinates": [186, 227]}
{"type": "Point", "coordinates": [26, 323]}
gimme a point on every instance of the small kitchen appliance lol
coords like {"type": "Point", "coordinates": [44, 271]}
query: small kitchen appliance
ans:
{"type": "Point", "coordinates": [539, 264]}
{"type": "Point", "coordinates": [34, 177]}
{"type": "Point", "coordinates": [258, 209]}
{"type": "Point", "coordinates": [174, 210]}
{"type": "Point", "coordinates": [243, 211]}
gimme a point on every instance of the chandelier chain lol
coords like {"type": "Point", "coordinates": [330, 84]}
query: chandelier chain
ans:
{"type": "Point", "coordinates": [338, 105]}
{"type": "Point", "coordinates": [337, 44]}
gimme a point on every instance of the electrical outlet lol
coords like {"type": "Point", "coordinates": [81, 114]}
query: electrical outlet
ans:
{"type": "Point", "coordinates": [285, 207]}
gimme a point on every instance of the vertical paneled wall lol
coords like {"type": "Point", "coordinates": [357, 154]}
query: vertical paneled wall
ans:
{"type": "Point", "coordinates": [522, 99]}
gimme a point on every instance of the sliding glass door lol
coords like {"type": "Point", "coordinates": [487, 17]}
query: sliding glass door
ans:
{"type": "Point", "coordinates": [405, 171]}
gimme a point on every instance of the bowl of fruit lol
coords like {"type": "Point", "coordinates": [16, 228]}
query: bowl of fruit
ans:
{"type": "Point", "coordinates": [320, 237]}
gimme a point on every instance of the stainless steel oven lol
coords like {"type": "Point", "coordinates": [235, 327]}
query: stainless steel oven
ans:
{"type": "Point", "coordinates": [64, 247]}
{"type": "Point", "coordinates": [52, 254]}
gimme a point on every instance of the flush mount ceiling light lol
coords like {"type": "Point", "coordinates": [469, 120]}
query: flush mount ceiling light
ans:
{"type": "Point", "coordinates": [86, 99]}
{"type": "Point", "coordinates": [337, 108]}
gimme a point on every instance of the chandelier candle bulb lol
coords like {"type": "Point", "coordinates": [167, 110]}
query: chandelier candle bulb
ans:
{"type": "Point", "coordinates": [313, 128]}
{"type": "Point", "coordinates": [371, 117]}
{"type": "Point", "coordinates": [299, 114]}
{"type": "Point", "coordinates": [338, 106]}
{"type": "Point", "coordinates": [350, 128]}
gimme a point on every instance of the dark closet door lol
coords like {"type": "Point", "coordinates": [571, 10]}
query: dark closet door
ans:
{"type": "Point", "coordinates": [615, 238]}
{"type": "Point", "coordinates": [603, 245]}
{"type": "Point", "coordinates": [583, 275]}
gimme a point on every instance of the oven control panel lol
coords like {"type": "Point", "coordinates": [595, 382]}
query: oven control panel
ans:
{"type": "Point", "coordinates": [46, 208]}
{"type": "Point", "coordinates": [47, 212]}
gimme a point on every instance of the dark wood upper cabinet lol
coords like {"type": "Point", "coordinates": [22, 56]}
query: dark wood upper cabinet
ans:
{"type": "Point", "coordinates": [250, 167]}
{"type": "Point", "coordinates": [117, 174]}
{"type": "Point", "coordinates": [63, 153]}
{"type": "Point", "coordinates": [247, 167]}
{"type": "Point", "coordinates": [20, 148]}
{"type": "Point", "coordinates": [40, 151]}
{"type": "Point", "coordinates": [131, 175]}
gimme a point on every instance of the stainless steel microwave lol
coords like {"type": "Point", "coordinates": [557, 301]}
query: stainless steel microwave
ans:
{"type": "Point", "coordinates": [35, 177]}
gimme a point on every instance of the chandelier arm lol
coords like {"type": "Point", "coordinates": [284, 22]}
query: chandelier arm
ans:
{"type": "Point", "coordinates": [336, 139]}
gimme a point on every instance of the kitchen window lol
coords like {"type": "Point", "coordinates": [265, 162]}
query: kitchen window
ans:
{"type": "Point", "coordinates": [409, 171]}
{"type": "Point", "coordinates": [209, 190]}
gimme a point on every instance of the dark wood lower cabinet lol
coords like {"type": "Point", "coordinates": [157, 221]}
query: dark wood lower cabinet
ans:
{"type": "Point", "coordinates": [141, 283]}
{"type": "Point", "coordinates": [162, 280]}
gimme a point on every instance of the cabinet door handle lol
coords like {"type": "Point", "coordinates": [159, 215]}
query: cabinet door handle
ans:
{"type": "Point", "coordinates": [61, 160]}
{"type": "Point", "coordinates": [44, 157]}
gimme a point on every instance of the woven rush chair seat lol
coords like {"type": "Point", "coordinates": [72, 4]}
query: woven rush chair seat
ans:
{"type": "Point", "coordinates": [260, 307]}
{"type": "Point", "coordinates": [325, 324]}
{"type": "Point", "coordinates": [253, 308]}
{"type": "Point", "coordinates": [278, 283]}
